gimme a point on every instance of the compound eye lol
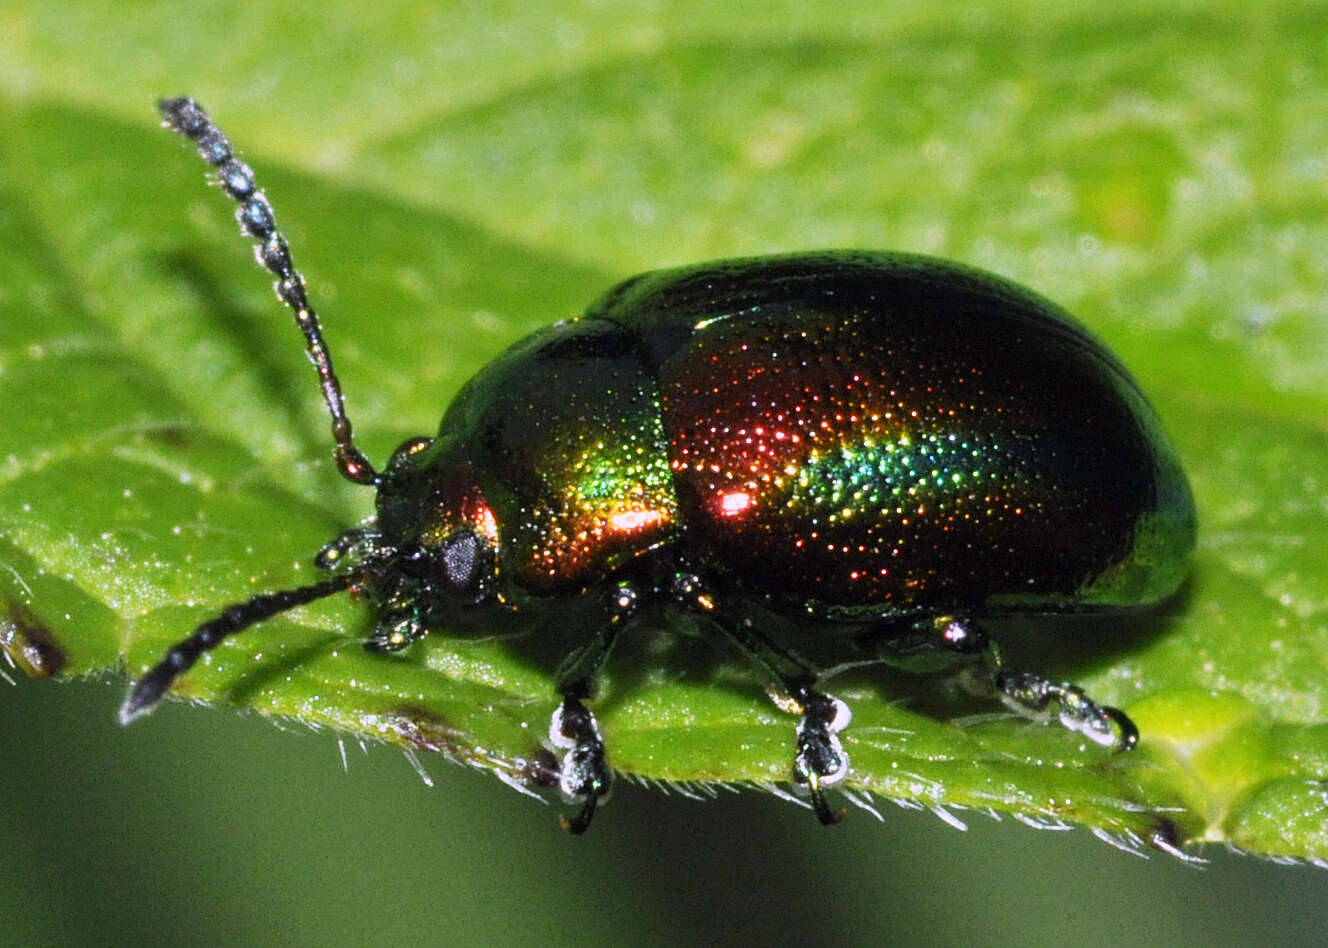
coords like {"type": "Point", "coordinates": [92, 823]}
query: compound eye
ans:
{"type": "Point", "coordinates": [460, 555]}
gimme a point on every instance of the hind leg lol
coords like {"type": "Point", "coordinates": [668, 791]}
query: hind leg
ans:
{"type": "Point", "coordinates": [949, 641]}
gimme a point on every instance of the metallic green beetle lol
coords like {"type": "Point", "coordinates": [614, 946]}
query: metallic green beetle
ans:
{"type": "Point", "coordinates": [776, 449]}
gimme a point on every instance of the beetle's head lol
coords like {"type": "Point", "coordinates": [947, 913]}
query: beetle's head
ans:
{"type": "Point", "coordinates": [433, 514]}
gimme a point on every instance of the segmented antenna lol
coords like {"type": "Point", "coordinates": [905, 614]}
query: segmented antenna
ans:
{"type": "Point", "coordinates": [152, 687]}
{"type": "Point", "coordinates": [187, 117]}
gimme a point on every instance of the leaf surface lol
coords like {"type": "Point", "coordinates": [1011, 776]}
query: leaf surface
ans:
{"type": "Point", "coordinates": [166, 453]}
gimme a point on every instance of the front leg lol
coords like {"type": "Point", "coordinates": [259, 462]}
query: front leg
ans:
{"type": "Point", "coordinates": [584, 773]}
{"type": "Point", "coordinates": [585, 768]}
{"type": "Point", "coordinates": [400, 622]}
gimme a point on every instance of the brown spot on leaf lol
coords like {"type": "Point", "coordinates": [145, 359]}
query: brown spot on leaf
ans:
{"type": "Point", "coordinates": [173, 436]}
{"type": "Point", "coordinates": [423, 730]}
{"type": "Point", "coordinates": [29, 644]}
{"type": "Point", "coordinates": [1166, 835]}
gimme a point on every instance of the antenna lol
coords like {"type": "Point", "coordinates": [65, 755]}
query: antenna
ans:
{"type": "Point", "coordinates": [187, 117]}
{"type": "Point", "coordinates": [152, 687]}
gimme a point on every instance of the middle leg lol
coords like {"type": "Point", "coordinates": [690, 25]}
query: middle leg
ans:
{"type": "Point", "coordinates": [819, 759]}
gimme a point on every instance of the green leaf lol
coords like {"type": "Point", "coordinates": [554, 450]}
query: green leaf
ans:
{"type": "Point", "coordinates": [166, 453]}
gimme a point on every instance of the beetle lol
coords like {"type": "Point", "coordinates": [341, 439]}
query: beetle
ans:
{"type": "Point", "coordinates": [769, 449]}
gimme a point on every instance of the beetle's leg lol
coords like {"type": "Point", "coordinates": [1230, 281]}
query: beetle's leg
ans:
{"type": "Point", "coordinates": [353, 545]}
{"type": "Point", "coordinates": [1108, 726]}
{"type": "Point", "coordinates": [819, 760]}
{"type": "Point", "coordinates": [949, 638]}
{"type": "Point", "coordinates": [399, 624]}
{"type": "Point", "coordinates": [585, 769]}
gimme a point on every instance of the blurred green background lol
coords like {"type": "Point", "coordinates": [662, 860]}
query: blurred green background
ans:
{"type": "Point", "coordinates": [1160, 169]}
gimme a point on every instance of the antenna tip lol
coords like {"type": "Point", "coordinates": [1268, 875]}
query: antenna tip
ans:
{"type": "Point", "coordinates": [146, 694]}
